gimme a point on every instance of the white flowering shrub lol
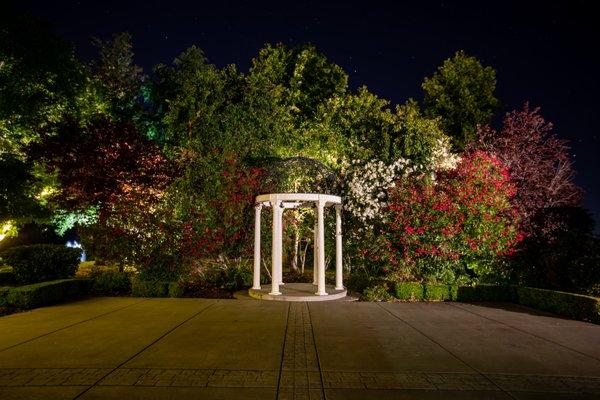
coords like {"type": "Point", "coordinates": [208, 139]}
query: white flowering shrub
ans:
{"type": "Point", "coordinates": [366, 198]}
{"type": "Point", "coordinates": [367, 185]}
{"type": "Point", "coordinates": [442, 159]}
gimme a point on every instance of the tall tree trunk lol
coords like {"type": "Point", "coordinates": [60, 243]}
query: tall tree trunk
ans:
{"type": "Point", "coordinates": [303, 256]}
{"type": "Point", "coordinates": [295, 248]}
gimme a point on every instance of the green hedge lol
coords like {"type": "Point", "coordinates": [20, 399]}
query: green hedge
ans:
{"type": "Point", "coordinates": [415, 291]}
{"type": "Point", "coordinates": [41, 262]}
{"type": "Point", "coordinates": [575, 306]}
{"type": "Point", "coordinates": [140, 288]}
{"type": "Point", "coordinates": [571, 305]}
{"type": "Point", "coordinates": [409, 291]}
{"type": "Point", "coordinates": [42, 294]}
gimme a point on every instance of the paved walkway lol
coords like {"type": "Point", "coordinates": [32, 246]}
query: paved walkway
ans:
{"type": "Point", "coordinates": [127, 348]}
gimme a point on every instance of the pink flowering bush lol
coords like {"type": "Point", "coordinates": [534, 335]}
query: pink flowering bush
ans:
{"type": "Point", "coordinates": [457, 226]}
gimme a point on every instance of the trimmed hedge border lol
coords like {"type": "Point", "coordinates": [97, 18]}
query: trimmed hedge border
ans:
{"type": "Point", "coordinates": [575, 306]}
{"type": "Point", "coordinates": [42, 294]}
{"type": "Point", "coordinates": [38, 263]}
{"type": "Point", "coordinates": [570, 305]}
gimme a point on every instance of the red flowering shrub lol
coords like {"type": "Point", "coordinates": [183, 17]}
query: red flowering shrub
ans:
{"type": "Point", "coordinates": [221, 224]}
{"type": "Point", "coordinates": [463, 219]}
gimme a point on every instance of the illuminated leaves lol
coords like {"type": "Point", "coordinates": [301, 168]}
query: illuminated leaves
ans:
{"type": "Point", "coordinates": [461, 92]}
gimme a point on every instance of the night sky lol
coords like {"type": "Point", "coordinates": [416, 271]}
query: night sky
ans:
{"type": "Point", "coordinates": [543, 53]}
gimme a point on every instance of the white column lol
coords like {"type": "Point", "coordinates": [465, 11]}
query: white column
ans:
{"type": "Point", "coordinates": [316, 248]}
{"type": "Point", "coordinates": [338, 248]}
{"type": "Point", "coordinates": [256, 277]}
{"type": "Point", "coordinates": [280, 244]}
{"type": "Point", "coordinates": [275, 248]}
{"type": "Point", "coordinates": [321, 249]}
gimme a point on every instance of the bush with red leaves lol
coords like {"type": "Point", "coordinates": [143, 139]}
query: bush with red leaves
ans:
{"type": "Point", "coordinates": [462, 217]}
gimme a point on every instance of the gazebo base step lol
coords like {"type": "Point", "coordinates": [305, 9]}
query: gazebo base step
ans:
{"type": "Point", "coordinates": [297, 292]}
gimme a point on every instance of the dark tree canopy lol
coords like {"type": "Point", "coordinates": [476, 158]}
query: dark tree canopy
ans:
{"type": "Point", "coordinates": [40, 79]}
{"type": "Point", "coordinates": [118, 79]}
{"type": "Point", "coordinates": [16, 181]}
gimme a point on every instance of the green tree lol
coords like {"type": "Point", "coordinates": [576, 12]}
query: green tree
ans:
{"type": "Point", "coordinates": [303, 76]}
{"type": "Point", "coordinates": [193, 95]}
{"type": "Point", "coordinates": [41, 82]}
{"type": "Point", "coordinates": [295, 84]}
{"type": "Point", "coordinates": [461, 92]}
{"type": "Point", "coordinates": [364, 120]}
{"type": "Point", "coordinates": [415, 136]}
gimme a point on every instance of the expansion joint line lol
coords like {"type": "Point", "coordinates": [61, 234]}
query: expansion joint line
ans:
{"type": "Point", "coordinates": [73, 324]}
{"type": "Point", "coordinates": [312, 329]}
{"type": "Point", "coordinates": [526, 332]}
{"type": "Point", "coordinates": [287, 322]}
{"type": "Point", "coordinates": [145, 348]}
{"type": "Point", "coordinates": [447, 350]}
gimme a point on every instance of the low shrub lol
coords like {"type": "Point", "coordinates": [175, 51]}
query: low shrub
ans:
{"type": "Point", "coordinates": [379, 292]}
{"type": "Point", "coordinates": [409, 291]}
{"type": "Point", "coordinates": [202, 289]}
{"type": "Point", "coordinates": [3, 295]}
{"type": "Point", "coordinates": [175, 289]}
{"type": "Point", "coordinates": [358, 281]}
{"type": "Point", "coordinates": [295, 276]}
{"type": "Point", "coordinates": [42, 294]}
{"type": "Point", "coordinates": [227, 274]}
{"type": "Point", "coordinates": [571, 305]}
{"type": "Point", "coordinates": [110, 282]}
{"type": "Point", "coordinates": [236, 276]}
{"type": "Point", "coordinates": [416, 291]}
{"type": "Point", "coordinates": [162, 267]}
{"type": "Point", "coordinates": [439, 292]}
{"type": "Point", "coordinates": [141, 288]}
{"type": "Point", "coordinates": [42, 262]}
{"type": "Point", "coordinates": [86, 268]}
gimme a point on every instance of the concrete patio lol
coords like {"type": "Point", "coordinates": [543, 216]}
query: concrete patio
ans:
{"type": "Point", "coordinates": [131, 348]}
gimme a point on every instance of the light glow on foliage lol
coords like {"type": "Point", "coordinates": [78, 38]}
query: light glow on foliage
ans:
{"type": "Point", "coordinates": [442, 159]}
{"type": "Point", "coordinates": [46, 192]}
{"type": "Point", "coordinates": [64, 220]}
{"type": "Point", "coordinates": [76, 245]}
{"type": "Point", "coordinates": [7, 229]}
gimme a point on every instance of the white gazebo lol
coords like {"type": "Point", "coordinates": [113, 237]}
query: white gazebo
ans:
{"type": "Point", "coordinates": [279, 202]}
